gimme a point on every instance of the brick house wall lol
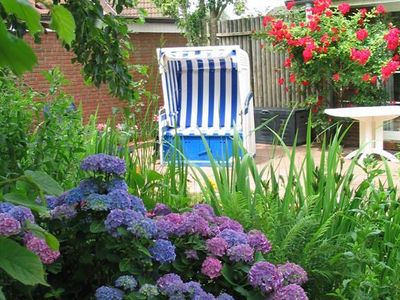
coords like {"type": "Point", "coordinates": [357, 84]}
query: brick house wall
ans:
{"type": "Point", "coordinates": [51, 54]}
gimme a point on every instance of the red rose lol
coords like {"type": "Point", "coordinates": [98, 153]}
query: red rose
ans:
{"type": "Point", "coordinates": [320, 6]}
{"type": "Point", "coordinates": [307, 54]}
{"type": "Point", "coordinates": [363, 12]}
{"type": "Point", "coordinates": [344, 8]}
{"type": "Point", "coordinates": [360, 56]}
{"type": "Point", "coordinates": [391, 67]}
{"type": "Point", "coordinates": [305, 83]}
{"type": "Point", "coordinates": [380, 9]}
{"type": "Point", "coordinates": [292, 78]}
{"type": "Point", "coordinates": [289, 5]}
{"type": "Point", "coordinates": [267, 20]}
{"type": "Point", "coordinates": [366, 77]}
{"type": "Point", "coordinates": [393, 39]}
{"type": "Point", "coordinates": [336, 77]}
{"type": "Point", "coordinates": [328, 13]}
{"type": "Point", "coordinates": [319, 101]}
{"type": "Point", "coordinates": [281, 81]}
{"type": "Point", "coordinates": [374, 79]}
{"type": "Point", "coordinates": [288, 63]}
{"type": "Point", "coordinates": [362, 34]}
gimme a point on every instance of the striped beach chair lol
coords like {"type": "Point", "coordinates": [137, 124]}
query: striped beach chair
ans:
{"type": "Point", "coordinates": [206, 93]}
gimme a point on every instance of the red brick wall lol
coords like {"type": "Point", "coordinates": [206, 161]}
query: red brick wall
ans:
{"type": "Point", "coordinates": [51, 54]}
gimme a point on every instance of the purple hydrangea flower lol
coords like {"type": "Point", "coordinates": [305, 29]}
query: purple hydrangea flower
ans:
{"type": "Point", "coordinates": [211, 267]}
{"type": "Point", "coordinates": [103, 163]}
{"type": "Point", "coordinates": [5, 207]}
{"type": "Point", "coordinates": [143, 228]}
{"type": "Point", "coordinates": [9, 225]}
{"type": "Point", "coordinates": [63, 212]}
{"type": "Point", "coordinates": [163, 251]}
{"type": "Point", "coordinates": [89, 186]}
{"type": "Point", "coordinates": [293, 274]}
{"type": "Point", "coordinates": [98, 202]}
{"type": "Point", "coordinates": [227, 223]}
{"type": "Point", "coordinates": [120, 218]}
{"type": "Point", "coordinates": [109, 293]}
{"type": "Point", "coordinates": [73, 196]}
{"type": "Point", "coordinates": [117, 184]}
{"type": "Point", "coordinates": [172, 285]}
{"type": "Point", "coordinates": [127, 282]}
{"type": "Point", "coordinates": [217, 246]}
{"type": "Point", "coordinates": [22, 214]}
{"type": "Point", "coordinates": [169, 225]}
{"type": "Point", "coordinates": [259, 241]}
{"type": "Point", "coordinates": [137, 204]}
{"type": "Point", "coordinates": [120, 199]}
{"type": "Point", "coordinates": [265, 276]}
{"type": "Point", "coordinates": [225, 296]}
{"type": "Point", "coordinates": [161, 210]}
{"type": "Point", "coordinates": [149, 291]}
{"type": "Point", "coordinates": [195, 224]}
{"type": "Point", "coordinates": [290, 292]}
{"type": "Point", "coordinates": [191, 254]}
{"type": "Point", "coordinates": [41, 249]}
{"type": "Point", "coordinates": [204, 210]}
{"type": "Point", "coordinates": [203, 296]}
{"type": "Point", "coordinates": [233, 237]}
{"type": "Point", "coordinates": [193, 287]}
{"type": "Point", "coordinates": [241, 252]}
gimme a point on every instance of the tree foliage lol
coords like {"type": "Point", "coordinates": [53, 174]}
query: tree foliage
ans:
{"type": "Point", "coordinates": [100, 41]}
{"type": "Point", "coordinates": [193, 16]}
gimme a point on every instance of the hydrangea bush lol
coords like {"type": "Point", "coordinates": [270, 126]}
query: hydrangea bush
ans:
{"type": "Point", "coordinates": [336, 48]}
{"type": "Point", "coordinates": [115, 249]}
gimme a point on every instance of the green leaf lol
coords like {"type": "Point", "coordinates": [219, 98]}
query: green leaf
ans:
{"type": "Point", "coordinates": [153, 176]}
{"type": "Point", "coordinates": [20, 263]}
{"type": "Point", "coordinates": [44, 182]}
{"type": "Point", "coordinates": [63, 23]}
{"type": "Point", "coordinates": [228, 275]}
{"type": "Point", "coordinates": [14, 52]}
{"type": "Point", "coordinates": [25, 12]}
{"type": "Point", "coordinates": [97, 227]}
{"type": "Point", "coordinates": [21, 199]}
{"type": "Point", "coordinates": [2, 296]}
{"type": "Point", "coordinates": [50, 239]}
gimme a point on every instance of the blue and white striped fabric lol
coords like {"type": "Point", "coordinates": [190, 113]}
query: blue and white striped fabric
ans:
{"type": "Point", "coordinates": [202, 92]}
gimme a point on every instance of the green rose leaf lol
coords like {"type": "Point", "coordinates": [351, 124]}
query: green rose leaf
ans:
{"type": "Point", "coordinates": [21, 58]}
{"type": "Point", "coordinates": [63, 23]}
{"type": "Point", "coordinates": [23, 10]}
{"type": "Point", "coordinates": [20, 263]}
{"type": "Point", "coordinates": [44, 182]}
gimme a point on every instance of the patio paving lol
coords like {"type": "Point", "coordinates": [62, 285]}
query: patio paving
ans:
{"type": "Point", "coordinates": [275, 155]}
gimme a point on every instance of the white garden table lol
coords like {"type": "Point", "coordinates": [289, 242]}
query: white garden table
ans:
{"type": "Point", "coordinates": [371, 120]}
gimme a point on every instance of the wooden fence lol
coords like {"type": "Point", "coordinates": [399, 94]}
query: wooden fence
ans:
{"type": "Point", "coordinates": [266, 65]}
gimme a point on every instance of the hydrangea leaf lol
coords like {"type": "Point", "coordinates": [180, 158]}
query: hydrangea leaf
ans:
{"type": "Point", "coordinates": [63, 23]}
{"type": "Point", "coordinates": [2, 296]}
{"type": "Point", "coordinates": [21, 58]}
{"type": "Point", "coordinates": [44, 182]}
{"type": "Point", "coordinates": [97, 227]}
{"type": "Point", "coordinates": [20, 199]}
{"type": "Point", "coordinates": [20, 263]}
{"type": "Point", "coordinates": [25, 12]}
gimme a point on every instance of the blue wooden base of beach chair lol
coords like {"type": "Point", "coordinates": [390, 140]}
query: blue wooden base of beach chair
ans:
{"type": "Point", "coordinates": [195, 151]}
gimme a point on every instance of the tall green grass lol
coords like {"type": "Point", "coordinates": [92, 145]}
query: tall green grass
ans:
{"type": "Point", "coordinates": [344, 234]}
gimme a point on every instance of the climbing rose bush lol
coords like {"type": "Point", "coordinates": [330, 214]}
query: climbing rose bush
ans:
{"type": "Point", "coordinates": [336, 47]}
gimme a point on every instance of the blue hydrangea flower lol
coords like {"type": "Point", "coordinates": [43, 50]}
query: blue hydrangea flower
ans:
{"type": "Point", "coordinates": [127, 282]}
{"type": "Point", "coordinates": [196, 224]}
{"type": "Point", "coordinates": [225, 296]}
{"type": "Point", "coordinates": [117, 184]}
{"type": "Point", "coordinates": [103, 163]}
{"type": "Point", "coordinates": [22, 214]}
{"type": "Point", "coordinates": [5, 207]}
{"type": "Point", "coordinates": [233, 237]}
{"type": "Point", "coordinates": [145, 228]}
{"type": "Point", "coordinates": [149, 291]}
{"type": "Point", "coordinates": [120, 199]}
{"type": "Point", "coordinates": [89, 186]}
{"type": "Point", "coordinates": [109, 293]}
{"type": "Point", "coordinates": [172, 285]}
{"type": "Point", "coordinates": [163, 251]}
{"type": "Point", "coordinates": [137, 204]}
{"type": "Point", "coordinates": [120, 218]}
{"type": "Point", "coordinates": [98, 202]}
{"type": "Point", "coordinates": [74, 196]}
{"type": "Point", "coordinates": [52, 201]}
{"type": "Point", "coordinates": [63, 212]}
